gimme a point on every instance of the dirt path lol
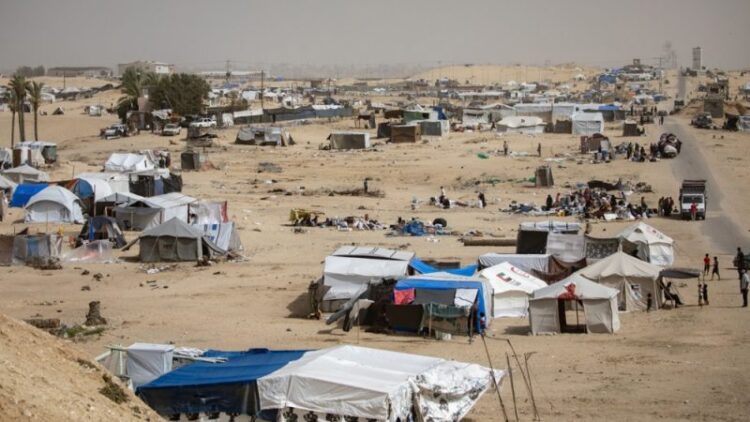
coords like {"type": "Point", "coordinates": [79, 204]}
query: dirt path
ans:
{"type": "Point", "coordinates": [720, 225]}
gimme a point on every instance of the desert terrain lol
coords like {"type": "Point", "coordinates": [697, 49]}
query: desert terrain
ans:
{"type": "Point", "coordinates": [686, 363]}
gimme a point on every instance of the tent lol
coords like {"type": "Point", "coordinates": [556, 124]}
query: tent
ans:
{"type": "Point", "coordinates": [567, 247]}
{"type": "Point", "coordinates": [547, 306]}
{"type": "Point", "coordinates": [128, 163]}
{"type": "Point", "coordinates": [86, 188]}
{"type": "Point", "coordinates": [653, 245]}
{"type": "Point", "coordinates": [351, 267]}
{"type": "Point", "coordinates": [452, 290]}
{"type": "Point", "coordinates": [105, 205]}
{"type": "Point", "coordinates": [24, 192]}
{"type": "Point", "coordinates": [223, 235]}
{"type": "Point", "coordinates": [526, 262]}
{"type": "Point", "coordinates": [521, 124]}
{"type": "Point", "coordinates": [29, 247]}
{"type": "Point", "coordinates": [632, 278]}
{"type": "Point", "coordinates": [371, 384]}
{"type": "Point", "coordinates": [150, 212]}
{"type": "Point", "coordinates": [511, 288]}
{"type": "Point", "coordinates": [117, 182]}
{"type": "Point", "coordinates": [587, 123]}
{"type": "Point", "coordinates": [274, 136]}
{"type": "Point", "coordinates": [196, 387]}
{"type": "Point", "coordinates": [175, 240]}
{"type": "Point", "coordinates": [26, 173]}
{"type": "Point", "coordinates": [208, 212]}
{"type": "Point", "coordinates": [7, 185]}
{"type": "Point", "coordinates": [532, 236]}
{"type": "Point", "coordinates": [102, 228]}
{"type": "Point", "coordinates": [55, 204]}
{"type": "Point", "coordinates": [422, 267]}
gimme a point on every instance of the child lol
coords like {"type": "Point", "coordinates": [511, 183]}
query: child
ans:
{"type": "Point", "coordinates": [706, 265]}
{"type": "Point", "coordinates": [700, 294]}
{"type": "Point", "coordinates": [705, 293]}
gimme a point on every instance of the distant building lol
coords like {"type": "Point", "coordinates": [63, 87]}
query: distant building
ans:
{"type": "Point", "coordinates": [697, 58]}
{"type": "Point", "coordinates": [234, 75]}
{"type": "Point", "coordinates": [85, 71]}
{"type": "Point", "coordinates": [147, 66]}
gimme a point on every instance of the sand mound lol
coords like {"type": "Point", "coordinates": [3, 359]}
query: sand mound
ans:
{"type": "Point", "coordinates": [44, 378]}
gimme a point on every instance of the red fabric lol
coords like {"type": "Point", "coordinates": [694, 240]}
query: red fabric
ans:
{"type": "Point", "coordinates": [570, 292]}
{"type": "Point", "coordinates": [404, 297]}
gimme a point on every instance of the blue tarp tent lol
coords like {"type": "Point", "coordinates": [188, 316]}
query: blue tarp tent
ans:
{"type": "Point", "coordinates": [24, 192]}
{"type": "Point", "coordinates": [228, 387]}
{"type": "Point", "coordinates": [424, 268]}
{"type": "Point", "coordinates": [446, 281]}
{"type": "Point", "coordinates": [608, 107]}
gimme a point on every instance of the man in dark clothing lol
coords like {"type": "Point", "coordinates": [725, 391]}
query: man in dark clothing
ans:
{"type": "Point", "coordinates": [482, 200]}
{"type": "Point", "coordinates": [705, 293]}
{"type": "Point", "coordinates": [744, 283]}
{"type": "Point", "coordinates": [715, 270]}
{"type": "Point", "coordinates": [549, 203]}
{"type": "Point", "coordinates": [539, 149]}
{"type": "Point", "coordinates": [740, 262]}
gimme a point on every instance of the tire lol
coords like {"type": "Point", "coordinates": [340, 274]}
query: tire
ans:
{"type": "Point", "coordinates": [440, 221]}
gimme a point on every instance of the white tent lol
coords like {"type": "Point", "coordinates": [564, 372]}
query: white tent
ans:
{"type": "Point", "coordinates": [118, 182]}
{"type": "Point", "coordinates": [567, 247]}
{"type": "Point", "coordinates": [587, 123]}
{"type": "Point", "coordinates": [632, 278]}
{"type": "Point", "coordinates": [150, 212]}
{"type": "Point", "coordinates": [599, 306]}
{"type": "Point", "coordinates": [373, 384]}
{"type": "Point", "coordinates": [26, 173]}
{"type": "Point", "coordinates": [526, 262]}
{"type": "Point", "coordinates": [95, 187]}
{"type": "Point", "coordinates": [521, 124]}
{"type": "Point", "coordinates": [54, 204]}
{"type": "Point", "coordinates": [653, 245]}
{"type": "Point", "coordinates": [121, 198]}
{"type": "Point", "coordinates": [128, 163]}
{"type": "Point", "coordinates": [7, 184]}
{"type": "Point", "coordinates": [511, 288]}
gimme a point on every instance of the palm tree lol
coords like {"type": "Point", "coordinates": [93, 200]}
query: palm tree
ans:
{"type": "Point", "coordinates": [134, 82]}
{"type": "Point", "coordinates": [20, 85]}
{"type": "Point", "coordinates": [35, 98]}
{"type": "Point", "coordinates": [11, 97]}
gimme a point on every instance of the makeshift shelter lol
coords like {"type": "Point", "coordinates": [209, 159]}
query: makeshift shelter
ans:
{"type": "Point", "coordinates": [434, 127]}
{"type": "Point", "coordinates": [23, 193]}
{"type": "Point", "coordinates": [511, 289]}
{"type": "Point", "coordinates": [567, 247]}
{"type": "Point", "coordinates": [350, 268]}
{"type": "Point", "coordinates": [29, 248]}
{"type": "Point", "coordinates": [55, 204]}
{"type": "Point", "coordinates": [25, 173]}
{"type": "Point", "coordinates": [150, 212]}
{"type": "Point", "coordinates": [350, 140]}
{"type": "Point", "coordinates": [102, 228]}
{"type": "Point", "coordinates": [225, 383]}
{"type": "Point", "coordinates": [526, 262]}
{"type": "Point", "coordinates": [630, 128]}
{"type": "Point", "coordinates": [7, 185]}
{"type": "Point", "coordinates": [743, 123]}
{"type": "Point", "coordinates": [208, 212]}
{"type": "Point", "coordinates": [118, 182]}
{"type": "Point", "coordinates": [547, 307]}
{"type": "Point", "coordinates": [632, 278]}
{"type": "Point", "coordinates": [587, 123]}
{"type": "Point", "coordinates": [422, 267]}
{"type": "Point", "coordinates": [371, 384]}
{"type": "Point", "coordinates": [532, 236]}
{"type": "Point", "coordinates": [155, 182]}
{"type": "Point", "coordinates": [173, 241]}
{"type": "Point", "coordinates": [43, 152]}
{"type": "Point", "coordinates": [193, 160]}
{"type": "Point", "coordinates": [262, 136]}
{"type": "Point", "coordinates": [521, 124]}
{"type": "Point", "coordinates": [405, 134]}
{"type": "Point", "coordinates": [223, 235]}
{"type": "Point", "coordinates": [106, 205]}
{"type": "Point", "coordinates": [129, 163]}
{"type": "Point", "coordinates": [452, 291]}
{"type": "Point", "coordinates": [653, 246]}
{"type": "Point", "coordinates": [94, 252]}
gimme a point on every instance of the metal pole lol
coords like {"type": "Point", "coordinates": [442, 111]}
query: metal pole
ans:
{"type": "Point", "coordinates": [512, 385]}
{"type": "Point", "coordinates": [494, 380]}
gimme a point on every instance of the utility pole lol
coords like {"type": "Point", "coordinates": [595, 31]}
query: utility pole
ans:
{"type": "Point", "coordinates": [228, 71]}
{"type": "Point", "coordinates": [262, 88]}
{"type": "Point", "coordinates": [661, 75]}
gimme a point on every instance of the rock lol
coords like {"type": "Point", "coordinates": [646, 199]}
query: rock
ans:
{"type": "Point", "coordinates": [85, 288]}
{"type": "Point", "coordinates": [98, 276]}
{"type": "Point", "coordinates": [85, 272]}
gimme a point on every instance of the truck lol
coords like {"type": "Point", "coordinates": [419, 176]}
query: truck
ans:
{"type": "Point", "coordinates": [693, 191]}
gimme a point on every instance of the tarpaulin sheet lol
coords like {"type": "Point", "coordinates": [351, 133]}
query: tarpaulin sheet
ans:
{"type": "Point", "coordinates": [24, 192]}
{"type": "Point", "coordinates": [424, 268]}
{"type": "Point", "coordinates": [228, 387]}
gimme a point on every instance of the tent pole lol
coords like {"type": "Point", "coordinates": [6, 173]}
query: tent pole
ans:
{"type": "Point", "coordinates": [577, 322]}
{"type": "Point", "coordinates": [512, 385]}
{"type": "Point", "coordinates": [494, 380]}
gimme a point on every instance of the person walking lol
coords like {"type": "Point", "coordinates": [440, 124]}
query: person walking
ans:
{"type": "Point", "coordinates": [706, 265]}
{"type": "Point", "coordinates": [715, 270]}
{"type": "Point", "coordinates": [744, 283]}
{"type": "Point", "coordinates": [693, 211]}
{"type": "Point", "coordinates": [740, 258]}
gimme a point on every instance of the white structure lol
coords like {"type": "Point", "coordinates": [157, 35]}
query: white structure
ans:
{"type": "Point", "coordinates": [159, 68]}
{"type": "Point", "coordinates": [521, 124]}
{"type": "Point", "coordinates": [54, 204]}
{"type": "Point", "coordinates": [653, 245]}
{"type": "Point", "coordinates": [511, 288]}
{"type": "Point", "coordinates": [697, 58]}
{"type": "Point", "coordinates": [129, 163]}
{"type": "Point", "coordinates": [147, 362]}
{"type": "Point", "coordinates": [632, 278]}
{"type": "Point", "coordinates": [599, 306]}
{"type": "Point", "coordinates": [26, 173]}
{"type": "Point", "coordinates": [587, 123]}
{"type": "Point", "coordinates": [151, 212]}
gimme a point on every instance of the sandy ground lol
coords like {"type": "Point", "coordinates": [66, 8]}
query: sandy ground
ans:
{"type": "Point", "coordinates": [679, 364]}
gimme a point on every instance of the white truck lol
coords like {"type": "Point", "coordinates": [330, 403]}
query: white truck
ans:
{"type": "Point", "coordinates": [693, 191]}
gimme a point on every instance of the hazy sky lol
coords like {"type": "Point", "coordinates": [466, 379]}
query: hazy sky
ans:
{"type": "Point", "coordinates": [205, 33]}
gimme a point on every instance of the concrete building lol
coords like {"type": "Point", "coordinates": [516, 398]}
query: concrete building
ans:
{"type": "Point", "coordinates": [85, 71]}
{"type": "Point", "coordinates": [147, 66]}
{"type": "Point", "coordinates": [697, 58]}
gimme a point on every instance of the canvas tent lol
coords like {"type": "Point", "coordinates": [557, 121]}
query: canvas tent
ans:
{"type": "Point", "coordinates": [25, 173]}
{"type": "Point", "coordinates": [526, 262]}
{"type": "Point", "coordinates": [587, 123]}
{"type": "Point", "coordinates": [55, 204]}
{"type": "Point", "coordinates": [371, 384]}
{"type": "Point", "coordinates": [174, 241]}
{"type": "Point", "coordinates": [653, 246]}
{"type": "Point", "coordinates": [129, 163]}
{"type": "Point", "coordinates": [532, 236]}
{"type": "Point", "coordinates": [567, 247]}
{"type": "Point", "coordinates": [223, 235]}
{"type": "Point", "coordinates": [547, 313]}
{"type": "Point", "coordinates": [632, 278]}
{"type": "Point", "coordinates": [511, 288]}
{"type": "Point", "coordinates": [150, 212]}
{"type": "Point", "coordinates": [106, 205]}
{"type": "Point", "coordinates": [23, 192]}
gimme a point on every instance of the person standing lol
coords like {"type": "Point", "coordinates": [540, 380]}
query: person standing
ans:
{"type": "Point", "coordinates": [505, 148]}
{"type": "Point", "coordinates": [740, 261]}
{"type": "Point", "coordinates": [744, 283]}
{"type": "Point", "coordinates": [700, 294]}
{"type": "Point", "coordinates": [539, 149]}
{"type": "Point", "coordinates": [705, 292]}
{"type": "Point", "coordinates": [715, 270]}
{"type": "Point", "coordinates": [706, 265]}
{"type": "Point", "coordinates": [693, 211]}
{"type": "Point", "coordinates": [482, 200]}
{"type": "Point", "coordinates": [366, 187]}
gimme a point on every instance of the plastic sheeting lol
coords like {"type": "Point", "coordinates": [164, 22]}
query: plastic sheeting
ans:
{"type": "Point", "coordinates": [96, 252]}
{"type": "Point", "coordinates": [26, 248]}
{"type": "Point", "coordinates": [146, 362]}
{"type": "Point", "coordinates": [224, 236]}
{"type": "Point", "coordinates": [526, 262]}
{"type": "Point", "coordinates": [129, 163]}
{"type": "Point", "coordinates": [587, 123]}
{"type": "Point", "coordinates": [23, 193]}
{"type": "Point", "coordinates": [345, 275]}
{"type": "Point", "coordinates": [568, 247]}
{"type": "Point", "coordinates": [208, 212]}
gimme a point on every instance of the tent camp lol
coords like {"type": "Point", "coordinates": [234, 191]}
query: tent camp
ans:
{"type": "Point", "coordinates": [521, 124]}
{"type": "Point", "coordinates": [23, 192]}
{"type": "Point", "coordinates": [370, 384]}
{"type": "Point", "coordinates": [547, 307]}
{"type": "Point", "coordinates": [106, 205]}
{"type": "Point", "coordinates": [632, 278]}
{"type": "Point", "coordinates": [587, 123]}
{"type": "Point", "coordinates": [451, 290]}
{"type": "Point", "coordinates": [101, 228]}
{"type": "Point", "coordinates": [128, 163]}
{"type": "Point", "coordinates": [653, 245]}
{"type": "Point", "coordinates": [173, 241]}
{"type": "Point", "coordinates": [511, 289]}
{"type": "Point", "coordinates": [150, 212]}
{"type": "Point", "coordinates": [55, 204]}
{"type": "Point", "coordinates": [25, 173]}
{"type": "Point", "coordinates": [350, 268]}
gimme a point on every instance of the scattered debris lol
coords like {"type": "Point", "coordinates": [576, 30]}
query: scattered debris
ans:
{"type": "Point", "coordinates": [113, 391]}
{"type": "Point", "coordinates": [94, 317]}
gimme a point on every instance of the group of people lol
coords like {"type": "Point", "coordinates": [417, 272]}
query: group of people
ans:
{"type": "Point", "coordinates": [593, 203]}
{"type": "Point", "coordinates": [666, 206]}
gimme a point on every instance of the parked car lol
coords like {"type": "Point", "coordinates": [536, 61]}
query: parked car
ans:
{"type": "Point", "coordinates": [171, 129]}
{"type": "Point", "coordinates": [203, 122]}
{"type": "Point", "coordinates": [703, 121]}
{"type": "Point", "coordinates": [735, 262]}
{"type": "Point", "coordinates": [117, 130]}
